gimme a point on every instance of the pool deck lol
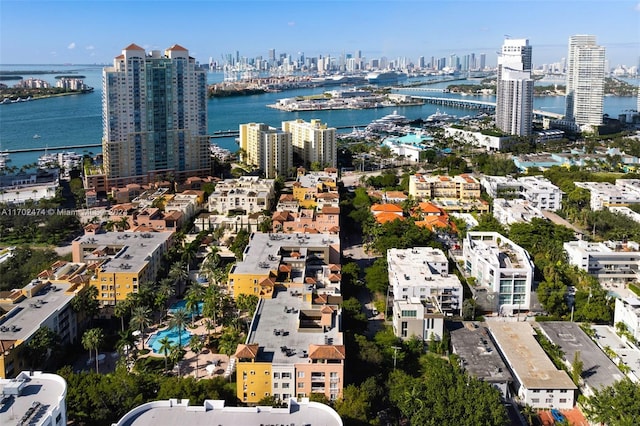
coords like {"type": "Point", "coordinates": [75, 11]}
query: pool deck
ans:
{"type": "Point", "coordinates": [190, 360]}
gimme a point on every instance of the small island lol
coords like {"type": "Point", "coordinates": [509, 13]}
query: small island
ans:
{"type": "Point", "coordinates": [15, 95]}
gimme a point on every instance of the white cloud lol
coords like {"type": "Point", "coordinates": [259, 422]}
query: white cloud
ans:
{"type": "Point", "coordinates": [637, 8]}
{"type": "Point", "coordinates": [90, 47]}
{"type": "Point", "coordinates": [291, 23]}
{"type": "Point", "coordinates": [72, 45]}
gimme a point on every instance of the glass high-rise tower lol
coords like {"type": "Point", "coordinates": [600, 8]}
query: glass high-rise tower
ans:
{"type": "Point", "coordinates": [154, 117]}
{"type": "Point", "coordinates": [514, 93]}
{"type": "Point", "coordinates": [585, 81]}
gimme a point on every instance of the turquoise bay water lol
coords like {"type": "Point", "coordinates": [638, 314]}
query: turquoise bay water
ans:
{"type": "Point", "coordinates": [77, 119]}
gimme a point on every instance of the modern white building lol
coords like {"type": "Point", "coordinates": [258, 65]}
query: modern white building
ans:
{"type": "Point", "coordinates": [247, 194]}
{"type": "Point", "coordinates": [33, 398]}
{"type": "Point", "coordinates": [539, 191]}
{"type": "Point", "coordinates": [585, 81]}
{"type": "Point", "coordinates": [267, 148]}
{"type": "Point", "coordinates": [610, 261]}
{"type": "Point", "coordinates": [514, 93]}
{"type": "Point", "coordinates": [418, 317]}
{"type": "Point", "coordinates": [538, 382]}
{"type": "Point", "coordinates": [502, 268]}
{"type": "Point", "coordinates": [508, 212]}
{"type": "Point", "coordinates": [490, 143]}
{"type": "Point", "coordinates": [627, 312]}
{"type": "Point", "coordinates": [605, 194]}
{"type": "Point", "coordinates": [423, 273]}
{"type": "Point", "coordinates": [155, 117]}
{"type": "Point", "coordinates": [313, 142]}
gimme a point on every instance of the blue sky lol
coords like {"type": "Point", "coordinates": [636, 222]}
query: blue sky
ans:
{"type": "Point", "coordinates": [95, 31]}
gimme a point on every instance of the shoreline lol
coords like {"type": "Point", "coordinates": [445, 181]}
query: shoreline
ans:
{"type": "Point", "coordinates": [35, 98]}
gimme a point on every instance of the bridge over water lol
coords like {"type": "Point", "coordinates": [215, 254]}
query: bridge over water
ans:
{"type": "Point", "coordinates": [474, 104]}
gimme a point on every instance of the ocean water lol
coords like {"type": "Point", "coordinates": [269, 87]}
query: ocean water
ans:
{"type": "Point", "coordinates": [77, 119]}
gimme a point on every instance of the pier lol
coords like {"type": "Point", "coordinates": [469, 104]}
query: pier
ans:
{"type": "Point", "coordinates": [483, 105]}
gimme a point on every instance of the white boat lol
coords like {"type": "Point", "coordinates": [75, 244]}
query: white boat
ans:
{"type": "Point", "coordinates": [441, 116]}
{"type": "Point", "coordinates": [36, 136]}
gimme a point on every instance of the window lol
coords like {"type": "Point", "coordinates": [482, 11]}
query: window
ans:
{"type": "Point", "coordinates": [285, 385]}
{"type": "Point", "coordinates": [301, 374]}
{"type": "Point", "coordinates": [548, 400]}
{"type": "Point", "coordinates": [535, 400]}
{"type": "Point", "coordinates": [275, 385]}
{"type": "Point", "coordinates": [253, 373]}
{"type": "Point", "coordinates": [300, 385]}
{"type": "Point", "coordinates": [276, 375]}
{"type": "Point", "coordinates": [267, 373]}
{"type": "Point", "coordinates": [286, 375]}
{"type": "Point", "coordinates": [563, 400]}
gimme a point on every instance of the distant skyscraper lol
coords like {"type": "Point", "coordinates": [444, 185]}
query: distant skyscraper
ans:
{"type": "Point", "coordinates": [514, 94]}
{"type": "Point", "coordinates": [585, 81]}
{"type": "Point", "coordinates": [483, 61]}
{"type": "Point", "coordinates": [155, 117]}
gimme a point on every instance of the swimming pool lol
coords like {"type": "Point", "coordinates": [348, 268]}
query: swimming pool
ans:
{"type": "Point", "coordinates": [181, 305]}
{"type": "Point", "coordinates": [173, 335]}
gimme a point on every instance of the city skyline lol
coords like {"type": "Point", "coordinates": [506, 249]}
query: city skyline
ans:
{"type": "Point", "coordinates": [57, 32]}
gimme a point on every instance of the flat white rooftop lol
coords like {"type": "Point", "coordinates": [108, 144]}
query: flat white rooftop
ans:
{"type": "Point", "coordinates": [174, 413]}
{"type": "Point", "coordinates": [30, 395]}
{"type": "Point", "coordinates": [526, 357]}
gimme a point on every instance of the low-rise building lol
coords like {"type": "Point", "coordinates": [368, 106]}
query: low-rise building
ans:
{"type": "Point", "coordinates": [609, 261]}
{"type": "Point", "coordinates": [122, 260]}
{"type": "Point", "coordinates": [539, 191]}
{"type": "Point", "coordinates": [460, 187]}
{"type": "Point", "coordinates": [421, 318]}
{"type": "Point", "coordinates": [33, 398]}
{"type": "Point", "coordinates": [287, 260]}
{"type": "Point", "coordinates": [423, 273]}
{"type": "Point", "coordinates": [627, 312]}
{"type": "Point", "coordinates": [508, 212]}
{"type": "Point", "coordinates": [325, 221]}
{"type": "Point", "coordinates": [174, 412]}
{"type": "Point", "coordinates": [294, 348]}
{"type": "Point", "coordinates": [478, 355]}
{"type": "Point", "coordinates": [598, 370]}
{"type": "Point", "coordinates": [317, 188]}
{"type": "Point", "coordinates": [490, 142]}
{"type": "Point", "coordinates": [247, 194]}
{"type": "Point", "coordinates": [501, 268]}
{"type": "Point", "coordinates": [538, 382]}
{"type": "Point", "coordinates": [605, 194]}
{"type": "Point", "coordinates": [44, 302]}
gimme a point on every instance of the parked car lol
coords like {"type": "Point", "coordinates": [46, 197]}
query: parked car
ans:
{"type": "Point", "coordinates": [557, 415]}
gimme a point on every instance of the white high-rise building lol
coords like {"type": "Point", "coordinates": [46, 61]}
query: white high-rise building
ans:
{"type": "Point", "coordinates": [154, 109]}
{"type": "Point", "coordinates": [514, 100]}
{"type": "Point", "coordinates": [267, 148]}
{"type": "Point", "coordinates": [585, 81]}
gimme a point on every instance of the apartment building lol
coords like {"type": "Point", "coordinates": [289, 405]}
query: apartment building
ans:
{"type": "Point", "coordinates": [604, 194]}
{"type": "Point", "coordinates": [539, 191]}
{"type": "Point", "coordinates": [514, 91]}
{"type": "Point", "coordinates": [267, 148]}
{"type": "Point", "coordinates": [44, 302]}
{"type": "Point", "coordinates": [313, 142]}
{"type": "Point", "coordinates": [423, 273]}
{"type": "Point", "coordinates": [609, 261]}
{"type": "Point", "coordinates": [538, 382]}
{"type": "Point", "coordinates": [417, 317]}
{"type": "Point", "coordinates": [155, 117]}
{"type": "Point", "coordinates": [461, 187]}
{"type": "Point", "coordinates": [627, 312]}
{"type": "Point", "coordinates": [272, 261]}
{"type": "Point", "coordinates": [501, 268]}
{"type": "Point", "coordinates": [122, 260]}
{"type": "Point", "coordinates": [326, 221]}
{"type": "Point", "coordinates": [33, 398]}
{"type": "Point", "coordinates": [508, 212]}
{"type": "Point", "coordinates": [317, 188]}
{"type": "Point", "coordinates": [175, 412]}
{"type": "Point", "coordinates": [244, 195]}
{"type": "Point", "coordinates": [295, 348]}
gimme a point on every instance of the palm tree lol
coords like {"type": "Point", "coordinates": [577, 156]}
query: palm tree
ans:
{"type": "Point", "coordinates": [164, 292]}
{"type": "Point", "coordinates": [529, 413]}
{"type": "Point", "coordinates": [179, 274]}
{"type": "Point", "coordinates": [140, 320]}
{"type": "Point", "coordinates": [92, 339]}
{"type": "Point", "coordinates": [211, 303]}
{"type": "Point", "coordinates": [165, 349]}
{"type": "Point", "coordinates": [121, 310]}
{"type": "Point", "coordinates": [192, 305]}
{"type": "Point", "coordinates": [179, 321]}
{"type": "Point", "coordinates": [125, 342]}
{"type": "Point", "coordinates": [229, 341]}
{"type": "Point", "coordinates": [196, 346]}
{"type": "Point", "coordinates": [175, 355]}
{"type": "Point", "coordinates": [123, 223]}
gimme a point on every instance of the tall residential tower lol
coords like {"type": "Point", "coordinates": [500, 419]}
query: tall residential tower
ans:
{"type": "Point", "coordinates": [514, 100]}
{"type": "Point", "coordinates": [154, 110]}
{"type": "Point", "coordinates": [585, 81]}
